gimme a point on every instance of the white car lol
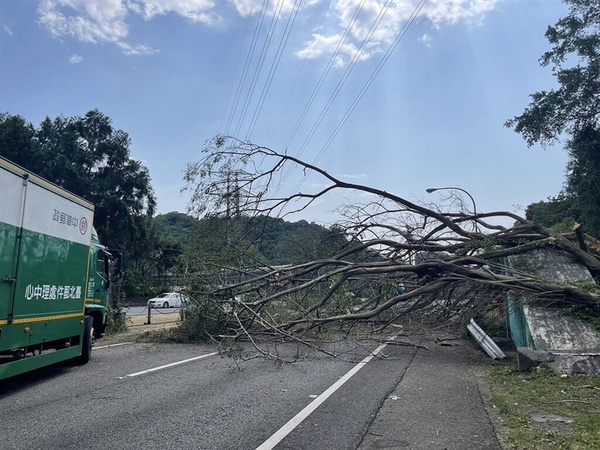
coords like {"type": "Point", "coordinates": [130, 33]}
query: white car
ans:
{"type": "Point", "coordinates": [167, 300]}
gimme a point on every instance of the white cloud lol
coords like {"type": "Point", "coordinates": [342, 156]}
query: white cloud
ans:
{"type": "Point", "coordinates": [441, 12]}
{"type": "Point", "coordinates": [93, 22]}
{"type": "Point", "coordinates": [356, 176]}
{"type": "Point", "coordinates": [136, 50]}
{"type": "Point", "coordinates": [395, 16]}
{"type": "Point", "coordinates": [246, 8]}
{"type": "Point", "coordinates": [193, 10]}
{"type": "Point", "coordinates": [7, 30]}
{"type": "Point", "coordinates": [426, 40]}
{"type": "Point", "coordinates": [106, 21]}
{"type": "Point", "coordinates": [75, 59]}
{"type": "Point", "coordinates": [324, 46]}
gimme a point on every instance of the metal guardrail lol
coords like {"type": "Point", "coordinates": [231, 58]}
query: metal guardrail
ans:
{"type": "Point", "coordinates": [485, 341]}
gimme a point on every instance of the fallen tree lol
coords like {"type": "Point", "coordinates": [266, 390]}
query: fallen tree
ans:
{"type": "Point", "coordinates": [400, 257]}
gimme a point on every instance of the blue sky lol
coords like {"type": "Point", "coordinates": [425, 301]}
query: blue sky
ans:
{"type": "Point", "coordinates": [169, 73]}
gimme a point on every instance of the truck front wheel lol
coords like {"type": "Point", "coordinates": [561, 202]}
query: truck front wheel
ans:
{"type": "Point", "coordinates": [88, 337]}
{"type": "Point", "coordinates": [99, 326]}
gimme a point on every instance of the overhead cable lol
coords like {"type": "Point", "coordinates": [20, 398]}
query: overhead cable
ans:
{"type": "Point", "coordinates": [249, 57]}
{"type": "Point", "coordinates": [274, 65]}
{"type": "Point", "coordinates": [259, 64]}
{"type": "Point", "coordinates": [374, 74]}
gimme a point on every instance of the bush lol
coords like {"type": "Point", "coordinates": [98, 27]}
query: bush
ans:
{"type": "Point", "coordinates": [201, 320]}
{"type": "Point", "coordinates": [117, 320]}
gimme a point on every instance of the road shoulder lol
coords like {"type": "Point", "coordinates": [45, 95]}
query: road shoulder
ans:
{"type": "Point", "coordinates": [440, 403]}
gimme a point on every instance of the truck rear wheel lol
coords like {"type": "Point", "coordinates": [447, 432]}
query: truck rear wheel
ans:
{"type": "Point", "coordinates": [88, 338]}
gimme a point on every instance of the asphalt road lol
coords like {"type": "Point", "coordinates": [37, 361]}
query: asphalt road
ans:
{"type": "Point", "coordinates": [119, 401]}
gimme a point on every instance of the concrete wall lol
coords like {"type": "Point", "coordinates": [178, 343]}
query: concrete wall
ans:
{"type": "Point", "coordinates": [573, 343]}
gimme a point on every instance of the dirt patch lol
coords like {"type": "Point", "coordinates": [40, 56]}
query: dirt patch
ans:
{"type": "Point", "coordinates": [138, 324]}
{"type": "Point", "coordinates": [157, 318]}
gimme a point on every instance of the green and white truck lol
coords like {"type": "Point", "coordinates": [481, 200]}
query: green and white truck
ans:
{"type": "Point", "coordinates": [55, 276]}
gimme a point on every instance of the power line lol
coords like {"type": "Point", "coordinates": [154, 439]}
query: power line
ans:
{"type": "Point", "coordinates": [348, 71]}
{"type": "Point", "coordinates": [325, 72]}
{"type": "Point", "coordinates": [274, 66]}
{"type": "Point", "coordinates": [330, 64]}
{"type": "Point", "coordinates": [249, 57]}
{"type": "Point", "coordinates": [237, 64]}
{"type": "Point", "coordinates": [374, 74]}
{"type": "Point", "coordinates": [260, 62]}
{"type": "Point", "coordinates": [325, 12]}
{"type": "Point", "coordinates": [319, 85]}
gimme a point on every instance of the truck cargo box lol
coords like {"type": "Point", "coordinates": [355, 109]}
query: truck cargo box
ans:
{"type": "Point", "coordinates": [45, 248]}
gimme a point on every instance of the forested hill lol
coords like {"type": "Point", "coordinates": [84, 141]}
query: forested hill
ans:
{"type": "Point", "coordinates": [177, 225]}
{"type": "Point", "coordinates": [271, 240]}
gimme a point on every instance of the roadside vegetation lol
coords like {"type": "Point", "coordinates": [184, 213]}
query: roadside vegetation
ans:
{"type": "Point", "coordinates": [544, 411]}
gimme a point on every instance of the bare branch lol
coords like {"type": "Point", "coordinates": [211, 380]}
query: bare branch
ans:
{"type": "Point", "coordinates": [399, 257]}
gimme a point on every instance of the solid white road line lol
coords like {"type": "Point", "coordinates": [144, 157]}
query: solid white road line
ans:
{"type": "Point", "coordinates": [166, 366]}
{"type": "Point", "coordinates": [112, 345]}
{"type": "Point", "coordinates": [299, 418]}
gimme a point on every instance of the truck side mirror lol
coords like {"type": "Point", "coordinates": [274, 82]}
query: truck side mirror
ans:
{"type": "Point", "coordinates": [117, 272]}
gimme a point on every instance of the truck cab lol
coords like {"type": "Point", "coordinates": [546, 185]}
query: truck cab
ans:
{"type": "Point", "coordinates": [104, 270]}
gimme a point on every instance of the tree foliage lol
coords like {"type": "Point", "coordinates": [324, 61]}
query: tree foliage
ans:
{"type": "Point", "coordinates": [583, 175]}
{"type": "Point", "coordinates": [433, 250]}
{"type": "Point", "coordinates": [572, 110]}
{"type": "Point", "coordinates": [223, 249]}
{"type": "Point", "coordinates": [560, 213]}
{"type": "Point", "coordinates": [89, 157]}
{"type": "Point", "coordinates": [177, 225]}
{"type": "Point", "coordinates": [575, 61]}
{"type": "Point", "coordinates": [155, 257]}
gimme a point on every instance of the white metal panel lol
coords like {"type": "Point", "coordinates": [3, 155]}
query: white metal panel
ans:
{"type": "Point", "coordinates": [49, 213]}
{"type": "Point", "coordinates": [11, 197]}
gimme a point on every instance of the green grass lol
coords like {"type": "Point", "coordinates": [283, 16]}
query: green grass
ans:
{"type": "Point", "coordinates": [518, 395]}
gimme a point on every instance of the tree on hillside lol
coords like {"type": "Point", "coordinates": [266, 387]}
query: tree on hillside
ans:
{"type": "Point", "coordinates": [218, 254]}
{"type": "Point", "coordinates": [152, 262]}
{"type": "Point", "coordinates": [572, 110]}
{"type": "Point", "coordinates": [429, 249]}
{"type": "Point", "coordinates": [177, 225]}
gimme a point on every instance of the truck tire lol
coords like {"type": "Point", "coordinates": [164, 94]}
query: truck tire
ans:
{"type": "Point", "coordinates": [99, 327]}
{"type": "Point", "coordinates": [88, 338]}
